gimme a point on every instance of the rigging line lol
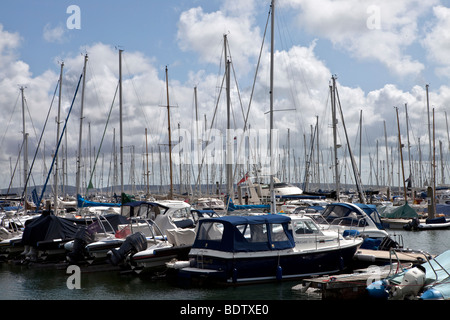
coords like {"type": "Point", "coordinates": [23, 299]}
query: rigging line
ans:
{"type": "Point", "coordinates": [255, 77]}
{"type": "Point", "coordinates": [31, 119]}
{"type": "Point", "coordinates": [15, 167]}
{"type": "Point", "coordinates": [94, 78]}
{"type": "Point", "coordinates": [10, 118]}
{"type": "Point", "coordinates": [59, 142]}
{"type": "Point", "coordinates": [103, 137]}
{"type": "Point", "coordinates": [253, 89]}
{"type": "Point", "coordinates": [136, 93]}
{"type": "Point", "coordinates": [235, 80]}
{"type": "Point", "coordinates": [40, 139]}
{"type": "Point", "coordinates": [211, 126]}
{"type": "Point", "coordinates": [356, 173]}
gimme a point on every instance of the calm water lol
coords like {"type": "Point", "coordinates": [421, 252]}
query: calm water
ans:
{"type": "Point", "coordinates": [25, 283]}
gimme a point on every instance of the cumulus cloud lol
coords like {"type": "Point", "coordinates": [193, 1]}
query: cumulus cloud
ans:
{"type": "Point", "coordinates": [202, 32]}
{"type": "Point", "coordinates": [53, 34]}
{"type": "Point", "coordinates": [301, 79]}
{"type": "Point", "coordinates": [372, 31]}
{"type": "Point", "coordinates": [437, 39]}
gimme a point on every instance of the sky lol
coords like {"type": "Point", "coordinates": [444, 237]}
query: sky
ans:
{"type": "Point", "coordinates": [382, 53]}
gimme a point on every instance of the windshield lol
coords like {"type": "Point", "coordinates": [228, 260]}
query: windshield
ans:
{"type": "Point", "coordinates": [336, 214]}
{"type": "Point", "coordinates": [304, 227]}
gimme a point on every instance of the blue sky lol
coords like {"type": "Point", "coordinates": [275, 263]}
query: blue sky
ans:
{"type": "Point", "coordinates": [378, 65]}
{"type": "Point", "coordinates": [151, 28]}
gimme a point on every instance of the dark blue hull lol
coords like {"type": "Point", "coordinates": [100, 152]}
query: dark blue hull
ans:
{"type": "Point", "coordinates": [268, 268]}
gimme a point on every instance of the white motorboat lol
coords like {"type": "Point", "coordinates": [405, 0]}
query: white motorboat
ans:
{"type": "Point", "coordinates": [363, 218]}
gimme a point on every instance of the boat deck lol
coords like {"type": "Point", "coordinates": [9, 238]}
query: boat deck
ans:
{"type": "Point", "coordinates": [385, 257]}
{"type": "Point", "coordinates": [347, 286]}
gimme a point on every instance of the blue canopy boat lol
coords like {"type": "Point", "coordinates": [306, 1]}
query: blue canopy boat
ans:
{"type": "Point", "coordinates": [237, 249]}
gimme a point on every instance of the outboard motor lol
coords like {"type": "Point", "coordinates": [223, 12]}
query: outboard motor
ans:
{"type": "Point", "coordinates": [133, 243]}
{"type": "Point", "coordinates": [81, 239]}
{"type": "Point", "coordinates": [412, 283]}
{"type": "Point", "coordinates": [412, 225]}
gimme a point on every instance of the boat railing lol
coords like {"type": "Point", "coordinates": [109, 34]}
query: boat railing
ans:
{"type": "Point", "coordinates": [361, 222]}
{"type": "Point", "coordinates": [432, 267]}
{"type": "Point", "coordinates": [11, 222]}
{"type": "Point", "coordinates": [100, 219]}
{"type": "Point", "coordinates": [393, 251]}
{"type": "Point", "coordinates": [152, 226]}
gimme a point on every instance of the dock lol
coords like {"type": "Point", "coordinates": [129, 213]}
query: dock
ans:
{"type": "Point", "coordinates": [383, 257]}
{"type": "Point", "coordinates": [348, 286]}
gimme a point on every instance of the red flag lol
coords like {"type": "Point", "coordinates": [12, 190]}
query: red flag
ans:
{"type": "Point", "coordinates": [245, 178]}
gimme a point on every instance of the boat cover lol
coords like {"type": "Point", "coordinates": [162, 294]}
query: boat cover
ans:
{"type": "Point", "coordinates": [245, 233]}
{"type": "Point", "coordinates": [81, 203]}
{"type": "Point", "coordinates": [349, 211]}
{"type": "Point", "coordinates": [401, 212]}
{"type": "Point", "coordinates": [233, 207]}
{"type": "Point", "coordinates": [48, 227]}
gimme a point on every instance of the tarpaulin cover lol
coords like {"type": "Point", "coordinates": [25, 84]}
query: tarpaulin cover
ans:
{"type": "Point", "coordinates": [47, 227]}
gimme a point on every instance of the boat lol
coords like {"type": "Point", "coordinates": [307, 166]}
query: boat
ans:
{"type": "Point", "coordinates": [44, 237]}
{"type": "Point", "coordinates": [396, 217]}
{"type": "Point", "coordinates": [214, 204]}
{"type": "Point", "coordinates": [176, 246]}
{"type": "Point", "coordinates": [427, 281]}
{"type": "Point", "coordinates": [156, 222]}
{"type": "Point", "coordinates": [156, 256]}
{"type": "Point", "coordinates": [363, 218]}
{"type": "Point", "coordinates": [95, 238]}
{"type": "Point", "coordinates": [440, 291]}
{"type": "Point", "coordinates": [271, 247]}
{"type": "Point", "coordinates": [282, 190]}
{"type": "Point", "coordinates": [434, 224]}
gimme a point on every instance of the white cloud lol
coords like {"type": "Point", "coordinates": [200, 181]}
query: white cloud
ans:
{"type": "Point", "coordinates": [55, 34]}
{"type": "Point", "coordinates": [301, 78]}
{"type": "Point", "coordinates": [346, 24]}
{"type": "Point", "coordinates": [203, 32]}
{"type": "Point", "coordinates": [437, 40]}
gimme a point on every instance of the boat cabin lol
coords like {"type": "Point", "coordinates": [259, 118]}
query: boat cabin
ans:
{"type": "Point", "coordinates": [245, 233]}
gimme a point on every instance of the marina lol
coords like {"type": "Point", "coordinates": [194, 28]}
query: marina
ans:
{"type": "Point", "coordinates": [20, 282]}
{"type": "Point", "coordinates": [229, 221]}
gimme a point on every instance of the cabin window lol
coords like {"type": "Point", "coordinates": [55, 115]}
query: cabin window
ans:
{"type": "Point", "coordinates": [182, 213]}
{"type": "Point", "coordinates": [258, 233]}
{"type": "Point", "coordinates": [343, 216]}
{"type": "Point", "coordinates": [304, 227]}
{"type": "Point", "coordinates": [277, 233]}
{"type": "Point", "coordinates": [210, 231]}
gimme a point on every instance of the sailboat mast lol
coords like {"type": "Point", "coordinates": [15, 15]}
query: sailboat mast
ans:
{"type": "Point", "coordinates": [25, 146]}
{"type": "Point", "coordinates": [146, 156]}
{"type": "Point", "coordinates": [170, 138]}
{"type": "Point", "coordinates": [198, 144]}
{"type": "Point", "coordinates": [401, 157]}
{"type": "Point", "coordinates": [120, 127]}
{"type": "Point", "coordinates": [387, 159]}
{"type": "Point", "coordinates": [229, 159]}
{"type": "Point", "coordinates": [334, 124]}
{"type": "Point", "coordinates": [429, 138]}
{"type": "Point", "coordinates": [271, 155]}
{"type": "Point", "coordinates": [57, 140]}
{"type": "Point", "coordinates": [78, 178]}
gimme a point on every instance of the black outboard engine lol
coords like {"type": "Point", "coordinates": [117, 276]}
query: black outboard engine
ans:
{"type": "Point", "coordinates": [81, 239]}
{"type": "Point", "coordinates": [133, 243]}
{"type": "Point", "coordinates": [388, 243]}
{"type": "Point", "coordinates": [412, 225]}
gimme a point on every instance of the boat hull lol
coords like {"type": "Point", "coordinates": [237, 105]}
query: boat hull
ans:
{"type": "Point", "coordinates": [272, 266]}
{"type": "Point", "coordinates": [155, 259]}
